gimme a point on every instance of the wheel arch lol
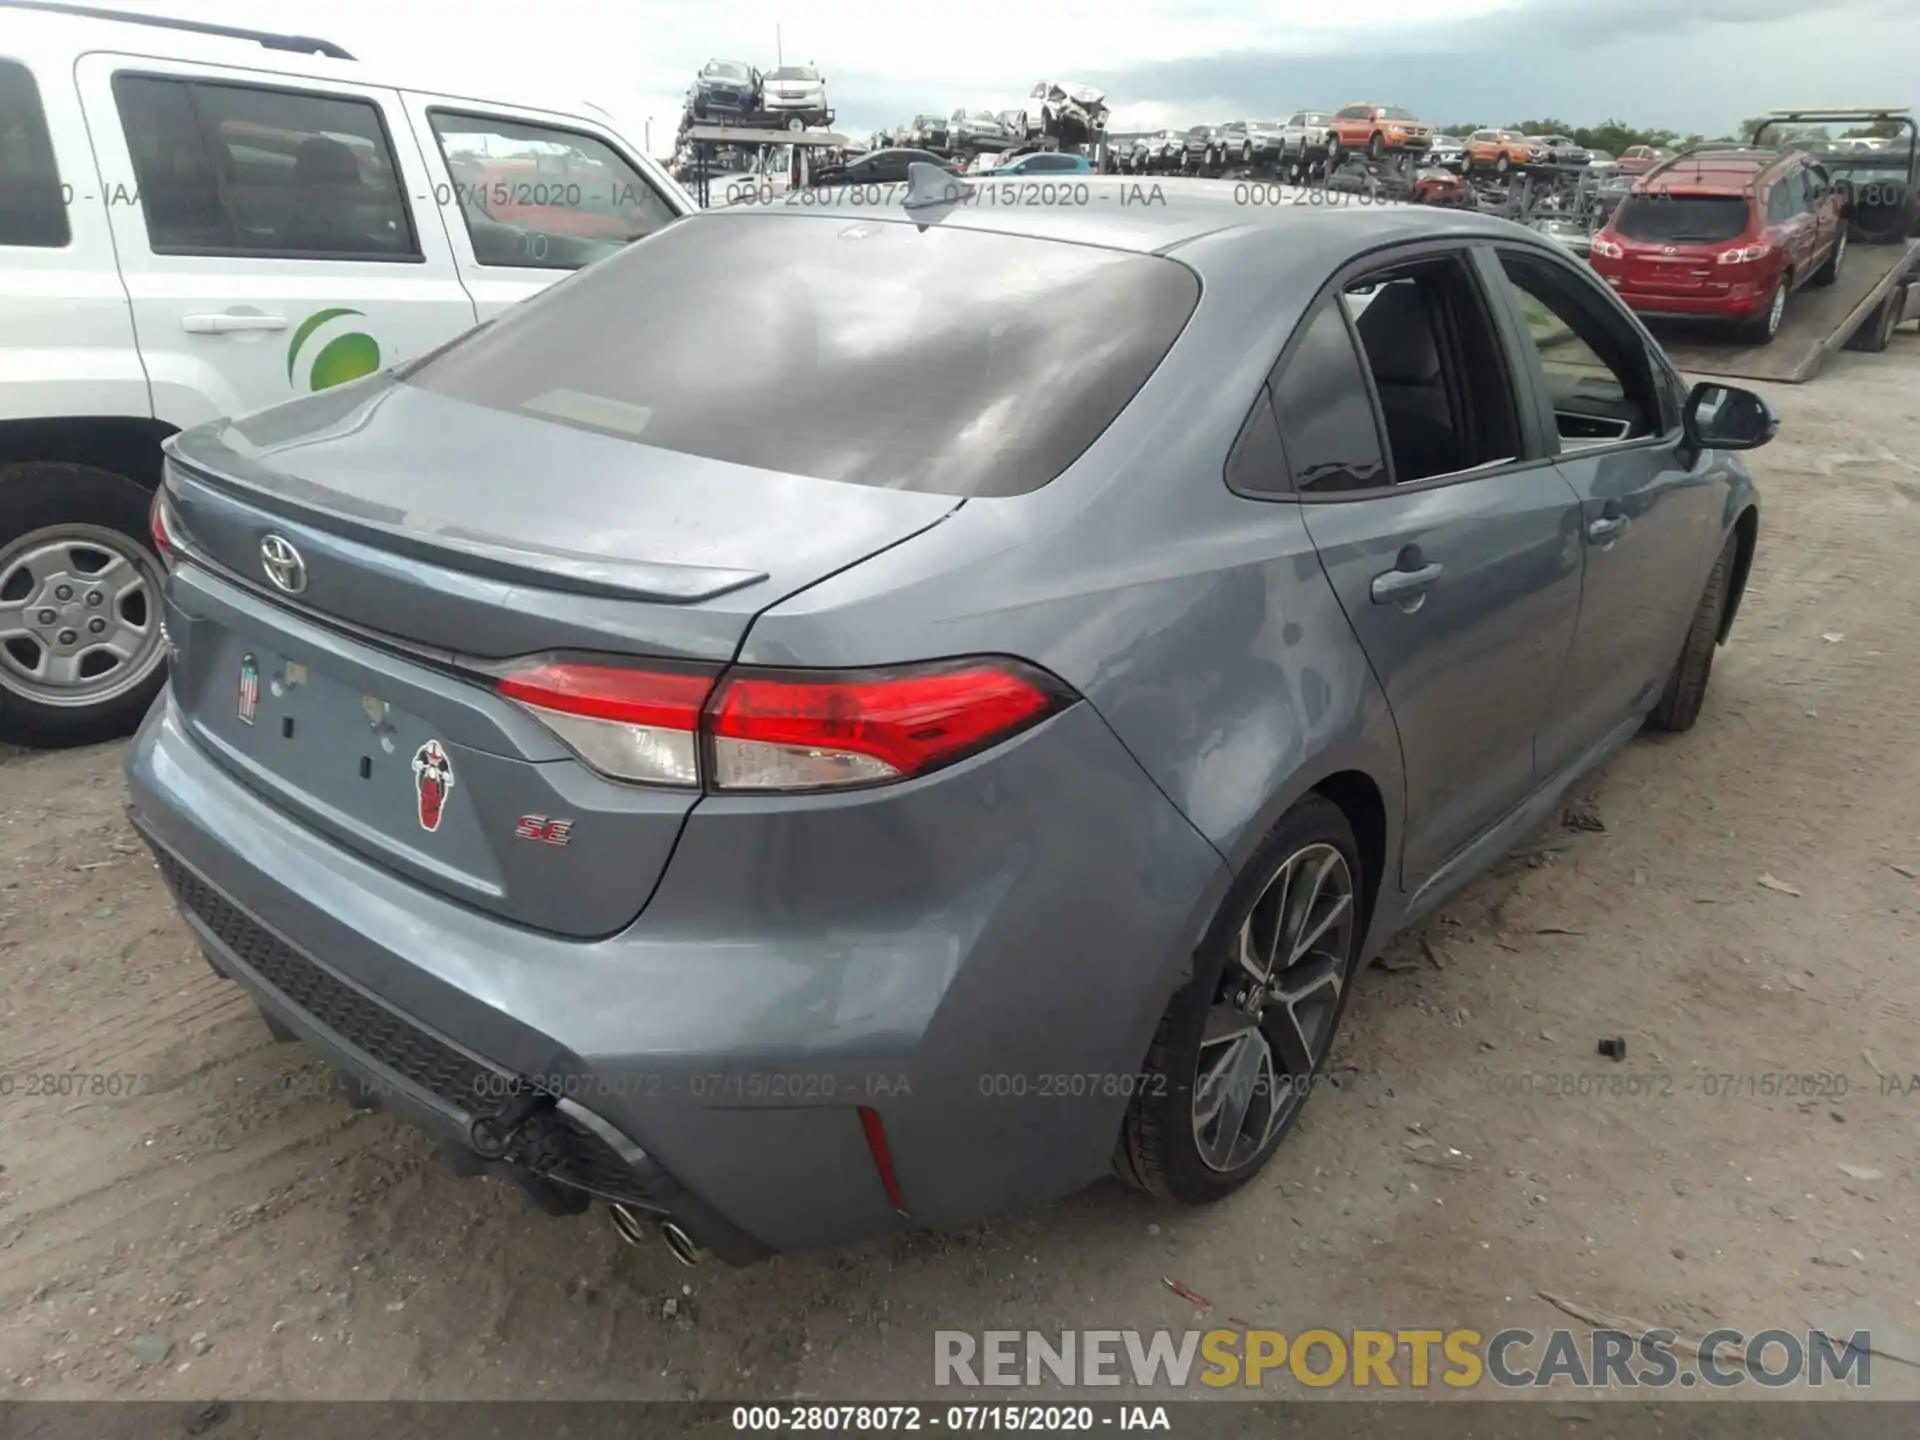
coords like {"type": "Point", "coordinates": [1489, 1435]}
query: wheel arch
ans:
{"type": "Point", "coordinates": [1746, 531]}
{"type": "Point", "coordinates": [127, 445]}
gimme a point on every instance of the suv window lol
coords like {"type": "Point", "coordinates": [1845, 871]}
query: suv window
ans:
{"type": "Point", "coordinates": [1327, 424]}
{"type": "Point", "coordinates": [1354, 112]}
{"type": "Point", "coordinates": [540, 197]}
{"type": "Point", "coordinates": [1661, 218]}
{"type": "Point", "coordinates": [1794, 182]}
{"type": "Point", "coordinates": [1598, 376]}
{"type": "Point", "coordinates": [1049, 162]}
{"type": "Point", "coordinates": [870, 363]}
{"type": "Point", "coordinates": [33, 207]}
{"type": "Point", "coordinates": [1817, 184]}
{"type": "Point", "coordinates": [246, 170]}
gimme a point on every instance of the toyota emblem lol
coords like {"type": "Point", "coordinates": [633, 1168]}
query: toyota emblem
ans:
{"type": "Point", "coordinates": [283, 564]}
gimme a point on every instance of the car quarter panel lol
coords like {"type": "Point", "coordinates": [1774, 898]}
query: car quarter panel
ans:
{"type": "Point", "coordinates": [1198, 622]}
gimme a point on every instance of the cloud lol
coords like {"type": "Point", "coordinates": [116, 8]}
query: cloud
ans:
{"type": "Point", "coordinates": [1685, 64]}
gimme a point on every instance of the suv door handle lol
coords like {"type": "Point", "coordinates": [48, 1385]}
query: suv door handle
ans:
{"type": "Point", "coordinates": [1395, 586]}
{"type": "Point", "coordinates": [1606, 529]}
{"type": "Point", "coordinates": [228, 324]}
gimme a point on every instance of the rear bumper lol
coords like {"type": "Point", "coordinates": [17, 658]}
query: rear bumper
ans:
{"type": "Point", "coordinates": [1661, 305]}
{"type": "Point", "coordinates": [979, 958]}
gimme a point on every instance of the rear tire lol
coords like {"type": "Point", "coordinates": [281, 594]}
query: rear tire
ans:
{"type": "Point", "coordinates": [1830, 272]}
{"type": "Point", "coordinates": [1686, 688]}
{"type": "Point", "coordinates": [1761, 329]}
{"type": "Point", "coordinates": [1169, 1144]}
{"type": "Point", "coordinates": [100, 517]}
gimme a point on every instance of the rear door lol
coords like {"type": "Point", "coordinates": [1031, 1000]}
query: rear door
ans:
{"type": "Point", "coordinates": [1828, 225]}
{"type": "Point", "coordinates": [266, 232]}
{"type": "Point", "coordinates": [1649, 525]}
{"type": "Point", "coordinates": [1451, 544]}
{"type": "Point", "coordinates": [1793, 223]}
{"type": "Point", "coordinates": [528, 198]}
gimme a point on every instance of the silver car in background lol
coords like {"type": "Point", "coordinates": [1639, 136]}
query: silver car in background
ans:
{"type": "Point", "coordinates": [978, 130]}
{"type": "Point", "coordinates": [796, 96]}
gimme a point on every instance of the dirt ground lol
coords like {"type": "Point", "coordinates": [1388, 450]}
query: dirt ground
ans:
{"type": "Point", "coordinates": [1737, 903]}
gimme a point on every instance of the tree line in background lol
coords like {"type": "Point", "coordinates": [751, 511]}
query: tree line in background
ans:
{"type": "Point", "coordinates": [1613, 136]}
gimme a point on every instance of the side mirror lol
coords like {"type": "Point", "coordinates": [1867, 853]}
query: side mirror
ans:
{"type": "Point", "coordinates": [1725, 417]}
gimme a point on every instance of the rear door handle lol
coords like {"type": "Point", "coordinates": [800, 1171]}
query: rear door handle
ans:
{"type": "Point", "coordinates": [228, 324]}
{"type": "Point", "coordinates": [1606, 529]}
{"type": "Point", "coordinates": [1394, 586]}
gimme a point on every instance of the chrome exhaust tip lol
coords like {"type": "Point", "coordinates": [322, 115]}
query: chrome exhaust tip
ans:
{"type": "Point", "coordinates": [627, 1223]}
{"type": "Point", "coordinates": [680, 1244]}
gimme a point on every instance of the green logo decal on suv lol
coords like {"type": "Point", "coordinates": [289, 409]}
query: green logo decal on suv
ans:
{"type": "Point", "coordinates": [345, 357]}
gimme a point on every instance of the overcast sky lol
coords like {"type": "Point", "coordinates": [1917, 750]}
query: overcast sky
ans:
{"type": "Point", "coordinates": [1686, 64]}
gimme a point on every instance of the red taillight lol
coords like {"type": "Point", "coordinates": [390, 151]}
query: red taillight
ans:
{"type": "Point", "coordinates": [800, 732]}
{"type": "Point", "coordinates": [1746, 254]}
{"type": "Point", "coordinates": [782, 730]}
{"type": "Point", "coordinates": [160, 525]}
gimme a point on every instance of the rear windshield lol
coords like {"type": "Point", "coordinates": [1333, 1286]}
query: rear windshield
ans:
{"type": "Point", "coordinates": [1682, 217]}
{"type": "Point", "coordinates": [951, 361]}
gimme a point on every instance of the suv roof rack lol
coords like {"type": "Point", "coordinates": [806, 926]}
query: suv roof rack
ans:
{"type": "Point", "coordinates": [297, 44]}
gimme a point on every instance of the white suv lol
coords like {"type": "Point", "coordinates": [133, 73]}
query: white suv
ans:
{"type": "Point", "coordinates": [197, 221]}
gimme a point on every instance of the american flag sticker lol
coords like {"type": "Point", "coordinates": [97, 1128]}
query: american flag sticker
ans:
{"type": "Point", "coordinates": [249, 688]}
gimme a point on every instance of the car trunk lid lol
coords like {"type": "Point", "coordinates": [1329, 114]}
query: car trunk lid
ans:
{"type": "Point", "coordinates": [437, 541]}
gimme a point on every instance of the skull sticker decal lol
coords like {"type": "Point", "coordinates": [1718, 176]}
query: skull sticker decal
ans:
{"type": "Point", "coordinates": [432, 779]}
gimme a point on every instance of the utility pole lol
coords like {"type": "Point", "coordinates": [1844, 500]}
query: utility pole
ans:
{"type": "Point", "coordinates": [779, 55]}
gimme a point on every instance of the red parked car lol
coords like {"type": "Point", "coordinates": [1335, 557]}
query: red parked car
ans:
{"type": "Point", "coordinates": [1724, 235]}
{"type": "Point", "coordinates": [1638, 159]}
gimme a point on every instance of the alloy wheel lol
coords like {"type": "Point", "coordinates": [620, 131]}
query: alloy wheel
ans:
{"type": "Point", "coordinates": [79, 615]}
{"type": "Point", "coordinates": [1273, 1013]}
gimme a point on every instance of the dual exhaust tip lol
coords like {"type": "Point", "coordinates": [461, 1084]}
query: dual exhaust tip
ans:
{"type": "Point", "coordinates": [632, 1226]}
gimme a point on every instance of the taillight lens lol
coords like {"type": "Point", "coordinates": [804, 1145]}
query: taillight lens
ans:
{"type": "Point", "coordinates": [1746, 254]}
{"type": "Point", "coordinates": [1606, 249]}
{"type": "Point", "coordinates": [639, 725]}
{"type": "Point", "coordinates": [767, 730]}
{"type": "Point", "coordinates": [160, 526]}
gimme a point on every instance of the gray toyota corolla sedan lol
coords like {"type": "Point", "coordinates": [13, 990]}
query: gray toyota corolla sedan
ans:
{"type": "Point", "coordinates": [956, 746]}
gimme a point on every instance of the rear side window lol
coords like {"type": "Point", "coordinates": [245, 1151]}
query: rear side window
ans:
{"type": "Point", "coordinates": [1667, 219]}
{"type": "Point", "coordinates": [33, 207]}
{"type": "Point", "coordinates": [533, 196]}
{"type": "Point", "coordinates": [246, 170]}
{"type": "Point", "coordinates": [950, 361]}
{"type": "Point", "coordinates": [1326, 415]}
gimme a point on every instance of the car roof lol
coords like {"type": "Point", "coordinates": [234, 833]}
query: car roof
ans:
{"type": "Point", "coordinates": [56, 39]}
{"type": "Point", "coordinates": [1123, 214]}
{"type": "Point", "coordinates": [1730, 170]}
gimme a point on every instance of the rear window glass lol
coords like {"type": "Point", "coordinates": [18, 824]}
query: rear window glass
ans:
{"type": "Point", "coordinates": [1672, 218]}
{"type": "Point", "coordinates": [943, 360]}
